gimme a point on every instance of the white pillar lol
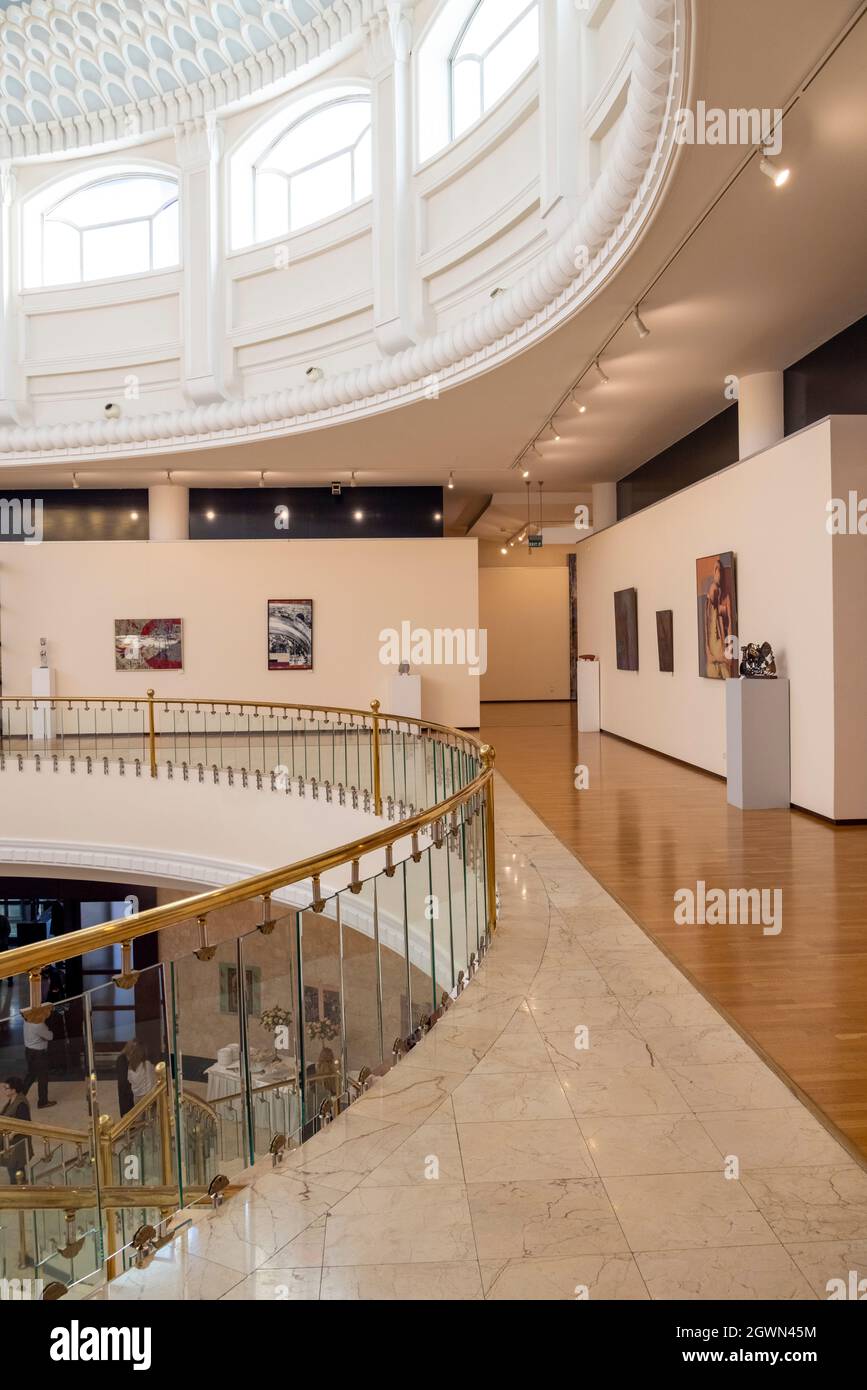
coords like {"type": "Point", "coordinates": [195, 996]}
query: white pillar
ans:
{"type": "Point", "coordinates": [604, 505]}
{"type": "Point", "coordinates": [561, 88]}
{"type": "Point", "coordinates": [12, 410]}
{"type": "Point", "coordinates": [400, 316]}
{"type": "Point", "coordinates": [761, 416]}
{"type": "Point", "coordinates": [168, 512]}
{"type": "Point", "coordinates": [199, 147]}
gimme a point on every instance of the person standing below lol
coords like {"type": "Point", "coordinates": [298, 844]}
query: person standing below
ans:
{"type": "Point", "coordinates": [15, 1107]}
{"type": "Point", "coordinates": [141, 1074]}
{"type": "Point", "coordinates": [37, 1036]}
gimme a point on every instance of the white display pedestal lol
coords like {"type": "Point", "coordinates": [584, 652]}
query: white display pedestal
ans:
{"type": "Point", "coordinates": [42, 719]}
{"type": "Point", "coordinates": [405, 697]}
{"type": "Point", "coordinates": [588, 697]}
{"type": "Point", "coordinates": [757, 744]}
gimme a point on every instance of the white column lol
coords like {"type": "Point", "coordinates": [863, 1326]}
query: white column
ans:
{"type": "Point", "coordinates": [168, 512]}
{"type": "Point", "coordinates": [563, 153]}
{"type": "Point", "coordinates": [12, 410]}
{"type": "Point", "coordinates": [604, 511]}
{"type": "Point", "coordinates": [399, 313]}
{"type": "Point", "coordinates": [761, 416]}
{"type": "Point", "coordinates": [199, 147]}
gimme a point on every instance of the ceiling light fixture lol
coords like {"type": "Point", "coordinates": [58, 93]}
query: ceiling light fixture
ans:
{"type": "Point", "coordinates": [261, 479]}
{"type": "Point", "coordinates": [555, 433]}
{"type": "Point", "coordinates": [599, 372]}
{"type": "Point", "coordinates": [352, 480]}
{"type": "Point", "coordinates": [210, 516]}
{"type": "Point", "coordinates": [359, 516]}
{"type": "Point", "coordinates": [133, 516]}
{"type": "Point", "coordinates": [75, 480]}
{"type": "Point", "coordinates": [451, 481]}
{"type": "Point", "coordinates": [314, 374]}
{"type": "Point", "coordinates": [641, 327]}
{"type": "Point", "coordinates": [579, 405]}
{"type": "Point", "coordinates": [503, 550]}
{"type": "Point", "coordinates": [438, 516]}
{"type": "Point", "coordinates": [777, 173]}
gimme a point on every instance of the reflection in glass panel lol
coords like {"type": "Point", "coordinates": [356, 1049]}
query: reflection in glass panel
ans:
{"type": "Point", "coordinates": [391, 924]}
{"type": "Point", "coordinates": [360, 976]}
{"type": "Point", "coordinates": [271, 1030]}
{"type": "Point", "coordinates": [322, 1032]}
{"type": "Point", "coordinates": [420, 933]}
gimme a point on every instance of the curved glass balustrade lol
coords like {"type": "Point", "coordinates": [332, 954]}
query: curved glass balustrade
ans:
{"type": "Point", "coordinates": [263, 1020]}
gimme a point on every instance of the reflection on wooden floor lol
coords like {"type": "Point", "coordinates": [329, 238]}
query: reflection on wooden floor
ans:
{"type": "Point", "coordinates": [647, 826]}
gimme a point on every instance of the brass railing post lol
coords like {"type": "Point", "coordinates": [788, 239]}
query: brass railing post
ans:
{"type": "Point", "coordinates": [152, 734]}
{"type": "Point", "coordinates": [487, 755]}
{"type": "Point", "coordinates": [164, 1116]}
{"type": "Point", "coordinates": [105, 1178]}
{"type": "Point", "coordinates": [377, 765]}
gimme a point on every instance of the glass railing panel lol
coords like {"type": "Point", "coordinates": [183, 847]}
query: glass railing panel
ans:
{"type": "Point", "coordinates": [449, 953]}
{"type": "Point", "coordinates": [474, 917]}
{"type": "Point", "coordinates": [465, 946]}
{"type": "Point", "coordinates": [271, 1030]}
{"type": "Point", "coordinates": [362, 1020]}
{"type": "Point", "coordinates": [393, 960]}
{"type": "Point", "coordinates": [322, 1042]}
{"type": "Point", "coordinates": [423, 996]}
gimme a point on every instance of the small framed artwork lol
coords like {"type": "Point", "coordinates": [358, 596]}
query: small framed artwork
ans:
{"type": "Point", "coordinates": [229, 998]}
{"type": "Point", "coordinates": [665, 639]}
{"type": "Point", "coordinates": [290, 634]}
{"type": "Point", "coordinates": [626, 629]}
{"type": "Point", "coordinates": [717, 602]}
{"type": "Point", "coordinates": [148, 644]}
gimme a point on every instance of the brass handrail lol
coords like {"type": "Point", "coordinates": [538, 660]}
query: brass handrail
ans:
{"type": "Point", "coordinates": [128, 1120]}
{"type": "Point", "coordinates": [38, 1130]}
{"type": "Point", "coordinates": [39, 954]}
{"type": "Point", "coordinates": [80, 1198]}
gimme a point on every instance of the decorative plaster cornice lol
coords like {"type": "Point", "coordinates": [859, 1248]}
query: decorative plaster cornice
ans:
{"type": "Point", "coordinates": [607, 223]}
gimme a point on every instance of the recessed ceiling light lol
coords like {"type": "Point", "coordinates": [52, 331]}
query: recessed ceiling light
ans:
{"type": "Point", "coordinates": [210, 516]}
{"type": "Point", "coordinates": [314, 374]}
{"type": "Point", "coordinates": [438, 516]}
{"type": "Point", "coordinates": [133, 516]}
{"type": "Point", "coordinates": [777, 173]}
{"type": "Point", "coordinates": [359, 516]}
{"type": "Point", "coordinates": [503, 550]}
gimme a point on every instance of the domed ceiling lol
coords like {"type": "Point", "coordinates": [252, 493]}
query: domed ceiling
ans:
{"type": "Point", "coordinates": [70, 59]}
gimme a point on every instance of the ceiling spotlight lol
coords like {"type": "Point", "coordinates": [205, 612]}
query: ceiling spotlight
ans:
{"type": "Point", "coordinates": [503, 550]}
{"type": "Point", "coordinates": [210, 516]}
{"type": "Point", "coordinates": [352, 480]}
{"type": "Point", "coordinates": [169, 478]}
{"type": "Point", "coordinates": [133, 516]}
{"type": "Point", "coordinates": [314, 374]}
{"type": "Point", "coordinates": [438, 516]}
{"type": "Point", "coordinates": [554, 435]}
{"type": "Point", "coordinates": [777, 173]}
{"type": "Point", "coordinates": [359, 516]}
{"type": "Point", "coordinates": [579, 405]}
{"type": "Point", "coordinates": [261, 479]}
{"type": "Point", "coordinates": [599, 372]}
{"type": "Point", "coordinates": [75, 482]}
{"type": "Point", "coordinates": [526, 473]}
{"type": "Point", "coordinates": [641, 327]}
{"type": "Point", "coordinates": [451, 482]}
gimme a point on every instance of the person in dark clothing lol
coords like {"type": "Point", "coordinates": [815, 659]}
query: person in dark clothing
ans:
{"type": "Point", "coordinates": [124, 1089]}
{"type": "Point", "coordinates": [15, 1150]}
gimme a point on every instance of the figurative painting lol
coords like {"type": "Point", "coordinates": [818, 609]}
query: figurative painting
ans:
{"type": "Point", "coordinates": [626, 629]}
{"type": "Point", "coordinates": [148, 644]}
{"type": "Point", "coordinates": [665, 639]}
{"type": "Point", "coordinates": [290, 634]}
{"type": "Point", "coordinates": [716, 597]}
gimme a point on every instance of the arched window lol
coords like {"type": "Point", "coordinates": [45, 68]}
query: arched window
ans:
{"type": "Point", "coordinates": [122, 224]}
{"type": "Point", "coordinates": [304, 165]}
{"type": "Point", "coordinates": [498, 43]}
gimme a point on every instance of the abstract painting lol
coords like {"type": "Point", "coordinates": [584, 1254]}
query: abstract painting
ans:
{"type": "Point", "coordinates": [148, 644]}
{"type": "Point", "coordinates": [665, 639]}
{"type": "Point", "coordinates": [626, 629]}
{"type": "Point", "coordinates": [290, 634]}
{"type": "Point", "coordinates": [716, 597]}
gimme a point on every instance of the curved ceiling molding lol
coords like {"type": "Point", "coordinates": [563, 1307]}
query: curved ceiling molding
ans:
{"type": "Point", "coordinates": [77, 73]}
{"type": "Point", "coordinates": [605, 227]}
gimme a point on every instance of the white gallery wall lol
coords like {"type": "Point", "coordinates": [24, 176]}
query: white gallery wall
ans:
{"type": "Point", "coordinates": [798, 588]}
{"type": "Point", "coordinates": [525, 613]}
{"type": "Point", "coordinates": [71, 594]}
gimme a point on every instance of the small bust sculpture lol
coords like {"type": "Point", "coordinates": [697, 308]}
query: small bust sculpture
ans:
{"type": "Point", "coordinates": [757, 662]}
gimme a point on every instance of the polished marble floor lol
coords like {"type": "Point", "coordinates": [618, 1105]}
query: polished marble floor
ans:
{"type": "Point", "coordinates": [581, 1124]}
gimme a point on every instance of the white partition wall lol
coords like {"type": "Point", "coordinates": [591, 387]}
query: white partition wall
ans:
{"type": "Point", "coordinates": [798, 587]}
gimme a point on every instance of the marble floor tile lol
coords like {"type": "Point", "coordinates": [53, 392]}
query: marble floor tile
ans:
{"type": "Point", "coordinates": [566, 984]}
{"type": "Point", "coordinates": [511, 1096]}
{"type": "Point", "coordinates": [432, 1148]}
{"type": "Point", "coordinates": [443, 1050]}
{"type": "Point", "coordinates": [536, 1220]}
{"type": "Point", "coordinates": [731, 1275]}
{"type": "Point", "coordinates": [343, 1153]}
{"type": "Point", "coordinates": [659, 1009]}
{"type": "Point", "coordinates": [304, 1251]}
{"type": "Point", "coordinates": [614, 936]}
{"type": "Point", "coordinates": [686, 1211]}
{"type": "Point", "coordinates": [565, 1015]}
{"type": "Point", "coordinates": [833, 1268]}
{"type": "Point", "coordinates": [789, 1138]}
{"type": "Point", "coordinates": [520, 1047]}
{"type": "Point", "coordinates": [600, 1088]}
{"type": "Point", "coordinates": [636, 976]}
{"type": "Point", "coordinates": [732, 1086]}
{"type": "Point", "coordinates": [277, 1286]}
{"type": "Point", "coordinates": [523, 1151]}
{"type": "Point", "coordinates": [608, 1278]}
{"type": "Point", "coordinates": [609, 1047]}
{"type": "Point", "coordinates": [174, 1275]}
{"type": "Point", "coordinates": [408, 1095]}
{"type": "Point", "coordinates": [247, 1230]}
{"type": "Point", "coordinates": [428, 1223]}
{"type": "Point", "coordinates": [641, 1145]}
{"type": "Point", "coordinates": [802, 1204]}
{"type": "Point", "coordinates": [698, 1046]}
{"type": "Point", "coordinates": [403, 1283]}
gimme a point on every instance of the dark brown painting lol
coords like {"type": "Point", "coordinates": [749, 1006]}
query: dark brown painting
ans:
{"type": "Point", "coordinates": [665, 639]}
{"type": "Point", "coordinates": [717, 601]}
{"type": "Point", "coordinates": [626, 629]}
